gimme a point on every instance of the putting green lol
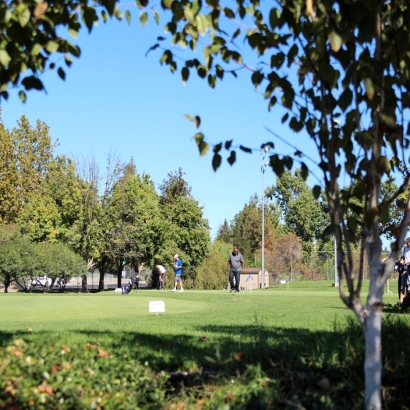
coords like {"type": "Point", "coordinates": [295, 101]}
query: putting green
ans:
{"type": "Point", "coordinates": [26, 308]}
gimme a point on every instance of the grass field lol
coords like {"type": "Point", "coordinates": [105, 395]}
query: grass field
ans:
{"type": "Point", "coordinates": [300, 340]}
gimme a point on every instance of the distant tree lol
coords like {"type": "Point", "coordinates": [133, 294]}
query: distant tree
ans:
{"type": "Point", "coordinates": [27, 154]}
{"type": "Point", "coordinates": [188, 229]}
{"type": "Point", "coordinates": [16, 254]}
{"type": "Point", "coordinates": [174, 187]}
{"type": "Point", "coordinates": [212, 272]}
{"type": "Point", "coordinates": [59, 263]}
{"type": "Point", "coordinates": [302, 212]}
{"type": "Point", "coordinates": [247, 229]}
{"type": "Point", "coordinates": [224, 233]}
{"type": "Point", "coordinates": [134, 227]}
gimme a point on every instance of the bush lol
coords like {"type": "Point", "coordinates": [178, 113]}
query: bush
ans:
{"type": "Point", "coordinates": [58, 377]}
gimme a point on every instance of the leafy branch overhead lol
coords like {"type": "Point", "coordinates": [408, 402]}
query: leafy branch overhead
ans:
{"type": "Point", "coordinates": [33, 39]}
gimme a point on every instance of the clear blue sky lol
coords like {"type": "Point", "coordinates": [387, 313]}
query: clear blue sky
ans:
{"type": "Point", "coordinates": [115, 98]}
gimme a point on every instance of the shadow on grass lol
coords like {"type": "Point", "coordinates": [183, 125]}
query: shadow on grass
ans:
{"type": "Point", "coordinates": [304, 364]}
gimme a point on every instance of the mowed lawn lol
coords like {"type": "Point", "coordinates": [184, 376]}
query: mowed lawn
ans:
{"type": "Point", "coordinates": [194, 324]}
{"type": "Point", "coordinates": [298, 339]}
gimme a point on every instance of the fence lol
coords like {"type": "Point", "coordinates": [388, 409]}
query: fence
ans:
{"type": "Point", "coordinates": [320, 266]}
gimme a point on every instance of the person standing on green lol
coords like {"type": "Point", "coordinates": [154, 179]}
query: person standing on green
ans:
{"type": "Point", "coordinates": [178, 272]}
{"type": "Point", "coordinates": [235, 267]}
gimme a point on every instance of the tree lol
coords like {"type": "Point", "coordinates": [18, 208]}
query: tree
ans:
{"type": "Point", "coordinates": [350, 97]}
{"type": "Point", "coordinates": [212, 273]}
{"type": "Point", "coordinates": [247, 230]}
{"type": "Point", "coordinates": [224, 233]}
{"type": "Point", "coordinates": [189, 230]}
{"type": "Point", "coordinates": [133, 222]}
{"type": "Point", "coordinates": [302, 212]}
{"type": "Point", "coordinates": [27, 153]}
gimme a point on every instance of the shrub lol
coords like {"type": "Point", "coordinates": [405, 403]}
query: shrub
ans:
{"type": "Point", "coordinates": [58, 377]}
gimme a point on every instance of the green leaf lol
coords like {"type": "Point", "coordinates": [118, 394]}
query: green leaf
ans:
{"type": "Point", "coordinates": [68, 60]}
{"type": "Point", "coordinates": [217, 147]}
{"type": "Point", "coordinates": [188, 117]}
{"type": "Point", "coordinates": [185, 74]}
{"type": "Point", "coordinates": [345, 99]}
{"type": "Point", "coordinates": [285, 118]}
{"type": "Point", "coordinates": [228, 144]}
{"type": "Point", "coordinates": [23, 14]}
{"type": "Point", "coordinates": [197, 121]}
{"type": "Point", "coordinates": [272, 102]}
{"type": "Point", "coordinates": [216, 161]}
{"type": "Point", "coordinates": [229, 13]}
{"type": "Point", "coordinates": [104, 16]}
{"type": "Point", "coordinates": [143, 18]}
{"type": "Point", "coordinates": [211, 80]}
{"type": "Point", "coordinates": [32, 82]}
{"type": "Point", "coordinates": [22, 96]}
{"type": "Point", "coordinates": [335, 41]}
{"type": "Point", "coordinates": [36, 49]}
{"type": "Point", "coordinates": [90, 16]}
{"type": "Point", "coordinates": [156, 17]}
{"type": "Point", "coordinates": [128, 16]}
{"type": "Point", "coordinates": [304, 171]}
{"type": "Point", "coordinates": [4, 58]}
{"type": "Point", "coordinates": [202, 145]}
{"type": "Point", "coordinates": [316, 190]}
{"type": "Point", "coordinates": [61, 73]}
{"type": "Point", "coordinates": [189, 15]}
{"type": "Point", "coordinates": [245, 149]}
{"type": "Point", "coordinates": [202, 24]}
{"type": "Point", "coordinates": [232, 158]}
{"type": "Point", "coordinates": [52, 46]}
{"type": "Point", "coordinates": [73, 33]}
{"type": "Point", "coordinates": [295, 125]}
{"type": "Point", "coordinates": [109, 5]}
{"type": "Point", "coordinates": [368, 85]}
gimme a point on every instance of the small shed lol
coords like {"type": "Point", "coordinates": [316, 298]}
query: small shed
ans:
{"type": "Point", "coordinates": [251, 278]}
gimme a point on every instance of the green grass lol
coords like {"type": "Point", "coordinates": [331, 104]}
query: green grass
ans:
{"type": "Point", "coordinates": [252, 336]}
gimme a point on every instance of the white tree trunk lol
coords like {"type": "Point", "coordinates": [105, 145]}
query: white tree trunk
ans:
{"type": "Point", "coordinates": [373, 358]}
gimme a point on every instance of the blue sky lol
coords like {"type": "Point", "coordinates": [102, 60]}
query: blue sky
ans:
{"type": "Point", "coordinates": [116, 99]}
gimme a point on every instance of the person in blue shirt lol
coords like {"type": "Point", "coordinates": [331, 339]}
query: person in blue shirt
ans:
{"type": "Point", "coordinates": [178, 272]}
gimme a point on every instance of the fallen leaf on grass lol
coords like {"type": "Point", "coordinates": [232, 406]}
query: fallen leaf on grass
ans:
{"type": "Point", "coordinates": [29, 329]}
{"type": "Point", "coordinates": [201, 404]}
{"type": "Point", "coordinates": [181, 406]}
{"type": "Point", "coordinates": [55, 368]}
{"type": "Point", "coordinates": [203, 339]}
{"type": "Point", "coordinates": [103, 353]}
{"type": "Point", "coordinates": [65, 349]}
{"type": "Point", "coordinates": [229, 397]}
{"type": "Point", "coordinates": [45, 389]}
{"type": "Point", "coordinates": [89, 346]}
{"type": "Point", "coordinates": [240, 357]}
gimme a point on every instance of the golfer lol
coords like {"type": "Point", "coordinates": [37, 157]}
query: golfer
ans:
{"type": "Point", "coordinates": [235, 267]}
{"type": "Point", "coordinates": [178, 272]}
{"type": "Point", "coordinates": [162, 276]}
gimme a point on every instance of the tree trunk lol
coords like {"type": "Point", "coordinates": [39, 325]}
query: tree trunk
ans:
{"type": "Point", "coordinates": [373, 355]}
{"type": "Point", "coordinates": [84, 287]}
{"type": "Point", "coordinates": [7, 282]}
{"type": "Point", "coordinates": [119, 277]}
{"type": "Point", "coordinates": [101, 281]}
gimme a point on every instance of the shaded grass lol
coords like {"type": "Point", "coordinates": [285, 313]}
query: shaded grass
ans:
{"type": "Point", "coordinates": [295, 347]}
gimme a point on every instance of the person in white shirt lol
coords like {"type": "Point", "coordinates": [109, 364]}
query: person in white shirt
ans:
{"type": "Point", "coordinates": [162, 276]}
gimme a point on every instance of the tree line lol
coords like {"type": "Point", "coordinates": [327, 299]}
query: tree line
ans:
{"type": "Point", "coordinates": [108, 221]}
{"type": "Point", "coordinates": [62, 218]}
